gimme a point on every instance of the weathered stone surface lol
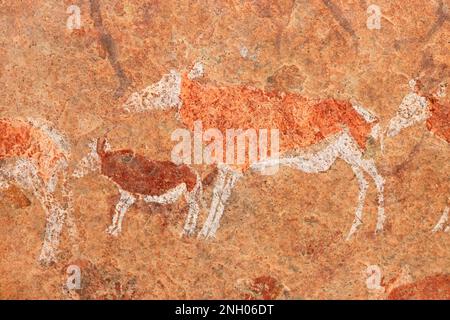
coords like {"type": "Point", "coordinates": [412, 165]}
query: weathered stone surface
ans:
{"type": "Point", "coordinates": [282, 236]}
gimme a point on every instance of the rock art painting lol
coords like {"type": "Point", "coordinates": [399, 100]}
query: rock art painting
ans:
{"type": "Point", "coordinates": [260, 150]}
{"type": "Point", "coordinates": [136, 176]}
{"type": "Point", "coordinates": [314, 132]}
{"type": "Point", "coordinates": [419, 107]}
{"type": "Point", "coordinates": [34, 156]}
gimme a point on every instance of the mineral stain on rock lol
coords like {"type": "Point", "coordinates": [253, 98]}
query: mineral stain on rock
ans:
{"type": "Point", "coordinates": [110, 47]}
{"type": "Point", "coordinates": [263, 287]}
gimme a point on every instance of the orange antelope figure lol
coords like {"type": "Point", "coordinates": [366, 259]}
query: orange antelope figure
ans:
{"type": "Point", "coordinates": [34, 156]}
{"type": "Point", "coordinates": [313, 132]}
{"type": "Point", "coordinates": [418, 107]}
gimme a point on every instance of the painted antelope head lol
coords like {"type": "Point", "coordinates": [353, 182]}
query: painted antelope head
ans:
{"type": "Point", "coordinates": [162, 95]}
{"type": "Point", "coordinates": [416, 107]}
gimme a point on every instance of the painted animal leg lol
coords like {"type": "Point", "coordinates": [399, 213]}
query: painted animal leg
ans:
{"type": "Point", "coordinates": [371, 169]}
{"type": "Point", "coordinates": [230, 180]}
{"type": "Point", "coordinates": [193, 198]}
{"type": "Point", "coordinates": [55, 221]}
{"type": "Point", "coordinates": [363, 186]}
{"type": "Point", "coordinates": [233, 177]}
{"type": "Point", "coordinates": [350, 152]}
{"type": "Point", "coordinates": [442, 221]}
{"type": "Point", "coordinates": [25, 174]}
{"type": "Point", "coordinates": [194, 209]}
{"type": "Point", "coordinates": [55, 215]}
{"type": "Point", "coordinates": [126, 200]}
{"type": "Point", "coordinates": [217, 193]}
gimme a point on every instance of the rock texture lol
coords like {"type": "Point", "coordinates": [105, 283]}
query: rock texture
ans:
{"type": "Point", "coordinates": [282, 236]}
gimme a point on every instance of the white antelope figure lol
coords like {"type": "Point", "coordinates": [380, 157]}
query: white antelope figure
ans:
{"type": "Point", "coordinates": [138, 177]}
{"type": "Point", "coordinates": [34, 156]}
{"type": "Point", "coordinates": [314, 133]}
{"type": "Point", "coordinates": [418, 107]}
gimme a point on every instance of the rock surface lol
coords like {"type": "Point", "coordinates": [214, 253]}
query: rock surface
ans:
{"type": "Point", "coordinates": [282, 236]}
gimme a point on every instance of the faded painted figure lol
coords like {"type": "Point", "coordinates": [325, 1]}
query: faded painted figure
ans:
{"type": "Point", "coordinates": [313, 133]}
{"type": "Point", "coordinates": [432, 108]}
{"type": "Point", "coordinates": [138, 177]}
{"type": "Point", "coordinates": [34, 156]}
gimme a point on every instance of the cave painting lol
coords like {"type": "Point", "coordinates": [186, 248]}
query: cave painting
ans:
{"type": "Point", "coordinates": [34, 156]}
{"type": "Point", "coordinates": [138, 177]}
{"type": "Point", "coordinates": [432, 108]}
{"type": "Point", "coordinates": [314, 133]}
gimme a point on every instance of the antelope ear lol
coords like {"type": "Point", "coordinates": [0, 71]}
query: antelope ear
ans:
{"type": "Point", "coordinates": [412, 84]}
{"type": "Point", "coordinates": [197, 71]}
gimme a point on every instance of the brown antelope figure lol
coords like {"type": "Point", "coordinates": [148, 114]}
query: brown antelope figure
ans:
{"type": "Point", "coordinates": [313, 133]}
{"type": "Point", "coordinates": [139, 177]}
{"type": "Point", "coordinates": [418, 107]}
{"type": "Point", "coordinates": [34, 156]}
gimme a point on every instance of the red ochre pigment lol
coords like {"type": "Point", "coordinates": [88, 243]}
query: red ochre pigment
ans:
{"type": "Point", "coordinates": [439, 121]}
{"type": "Point", "coordinates": [138, 174]}
{"type": "Point", "coordinates": [19, 138]}
{"type": "Point", "coordinates": [301, 122]}
{"type": "Point", "coordinates": [432, 287]}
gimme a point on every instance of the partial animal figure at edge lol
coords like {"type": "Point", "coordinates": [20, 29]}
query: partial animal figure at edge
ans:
{"type": "Point", "coordinates": [432, 108]}
{"type": "Point", "coordinates": [34, 156]}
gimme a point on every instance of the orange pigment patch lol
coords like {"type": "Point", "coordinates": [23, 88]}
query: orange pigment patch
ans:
{"type": "Point", "coordinates": [435, 287]}
{"type": "Point", "coordinates": [439, 122]}
{"type": "Point", "coordinates": [20, 139]}
{"type": "Point", "coordinates": [15, 138]}
{"type": "Point", "coordinates": [301, 122]}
